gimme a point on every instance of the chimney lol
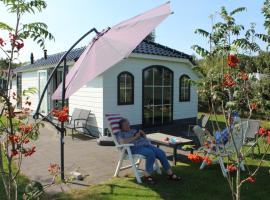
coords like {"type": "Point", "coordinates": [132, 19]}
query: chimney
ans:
{"type": "Point", "coordinates": [45, 54]}
{"type": "Point", "coordinates": [32, 58]}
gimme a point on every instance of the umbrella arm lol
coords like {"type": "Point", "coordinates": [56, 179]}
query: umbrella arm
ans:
{"type": "Point", "coordinates": [36, 115]}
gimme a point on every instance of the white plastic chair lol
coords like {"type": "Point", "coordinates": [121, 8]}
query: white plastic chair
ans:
{"type": "Point", "coordinates": [221, 151]}
{"type": "Point", "coordinates": [124, 150]}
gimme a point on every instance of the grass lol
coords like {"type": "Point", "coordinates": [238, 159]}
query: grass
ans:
{"type": "Point", "coordinates": [207, 184]}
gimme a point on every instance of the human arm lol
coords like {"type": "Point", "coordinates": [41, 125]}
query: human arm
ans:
{"type": "Point", "coordinates": [129, 139]}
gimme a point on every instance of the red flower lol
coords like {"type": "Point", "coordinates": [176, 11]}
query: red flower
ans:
{"type": "Point", "coordinates": [262, 131]}
{"type": "Point", "coordinates": [62, 115]}
{"type": "Point", "coordinates": [30, 151]}
{"type": "Point", "coordinates": [195, 158]}
{"type": "Point", "coordinates": [231, 168]}
{"type": "Point", "coordinates": [2, 42]}
{"type": "Point", "coordinates": [243, 76]}
{"type": "Point", "coordinates": [207, 160]}
{"type": "Point", "coordinates": [53, 169]}
{"type": "Point", "coordinates": [253, 106]}
{"type": "Point", "coordinates": [26, 141]}
{"type": "Point", "coordinates": [232, 60]}
{"type": "Point", "coordinates": [14, 138]}
{"type": "Point", "coordinates": [228, 80]}
{"type": "Point", "coordinates": [268, 139]}
{"type": "Point", "coordinates": [26, 128]}
{"type": "Point", "coordinates": [250, 179]}
{"type": "Point", "coordinates": [14, 153]}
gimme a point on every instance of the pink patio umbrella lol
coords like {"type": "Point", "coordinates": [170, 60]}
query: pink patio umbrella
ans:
{"type": "Point", "coordinates": [110, 47]}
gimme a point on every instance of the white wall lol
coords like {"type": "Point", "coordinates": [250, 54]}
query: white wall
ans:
{"type": "Point", "coordinates": [13, 89]}
{"type": "Point", "coordinates": [135, 66]}
{"type": "Point", "coordinates": [90, 97]}
{"type": "Point", "coordinates": [30, 79]}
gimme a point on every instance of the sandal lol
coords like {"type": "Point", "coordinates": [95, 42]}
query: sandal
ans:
{"type": "Point", "coordinates": [149, 180]}
{"type": "Point", "coordinates": [174, 177]}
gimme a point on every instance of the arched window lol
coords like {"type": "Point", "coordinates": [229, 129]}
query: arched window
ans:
{"type": "Point", "coordinates": [184, 88]}
{"type": "Point", "coordinates": [125, 88]}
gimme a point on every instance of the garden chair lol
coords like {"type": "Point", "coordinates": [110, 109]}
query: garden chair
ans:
{"type": "Point", "coordinates": [124, 149]}
{"type": "Point", "coordinates": [201, 122]}
{"type": "Point", "coordinates": [251, 139]}
{"type": "Point", "coordinates": [78, 121]}
{"type": "Point", "coordinates": [220, 151]}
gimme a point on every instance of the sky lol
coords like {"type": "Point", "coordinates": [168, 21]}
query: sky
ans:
{"type": "Point", "coordinates": [69, 19]}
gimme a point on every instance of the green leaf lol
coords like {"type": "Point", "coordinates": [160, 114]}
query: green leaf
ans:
{"type": "Point", "coordinates": [203, 33]}
{"type": "Point", "coordinates": [201, 51]}
{"type": "Point", "coordinates": [238, 10]}
{"type": "Point", "coordinates": [4, 26]}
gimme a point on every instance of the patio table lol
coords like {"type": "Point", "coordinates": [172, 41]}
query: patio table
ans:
{"type": "Point", "coordinates": [160, 139]}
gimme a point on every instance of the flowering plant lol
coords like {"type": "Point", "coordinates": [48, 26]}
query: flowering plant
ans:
{"type": "Point", "coordinates": [17, 131]}
{"type": "Point", "coordinates": [227, 87]}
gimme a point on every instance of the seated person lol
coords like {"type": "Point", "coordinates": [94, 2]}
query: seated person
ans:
{"type": "Point", "coordinates": [143, 147]}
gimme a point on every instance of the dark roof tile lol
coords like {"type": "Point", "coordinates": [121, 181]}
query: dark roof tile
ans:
{"type": "Point", "coordinates": [145, 47]}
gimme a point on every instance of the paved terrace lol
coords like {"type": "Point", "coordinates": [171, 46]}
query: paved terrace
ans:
{"type": "Point", "coordinates": [96, 162]}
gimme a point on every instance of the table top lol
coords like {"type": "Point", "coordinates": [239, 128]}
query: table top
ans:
{"type": "Point", "coordinates": [161, 139]}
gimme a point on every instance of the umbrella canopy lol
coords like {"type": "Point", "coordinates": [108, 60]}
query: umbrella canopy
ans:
{"type": "Point", "coordinates": [110, 47]}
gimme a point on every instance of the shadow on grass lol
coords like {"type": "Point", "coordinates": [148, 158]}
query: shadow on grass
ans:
{"type": "Point", "coordinates": [207, 184]}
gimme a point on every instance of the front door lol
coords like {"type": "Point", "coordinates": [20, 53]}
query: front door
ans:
{"type": "Point", "coordinates": [157, 96]}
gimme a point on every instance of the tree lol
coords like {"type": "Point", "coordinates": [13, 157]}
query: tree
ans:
{"type": "Point", "coordinates": [15, 130]}
{"type": "Point", "coordinates": [226, 86]}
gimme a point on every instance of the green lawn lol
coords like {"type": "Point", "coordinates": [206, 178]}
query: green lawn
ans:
{"type": "Point", "coordinates": [207, 184]}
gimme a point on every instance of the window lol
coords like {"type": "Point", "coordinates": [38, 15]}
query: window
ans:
{"type": "Point", "coordinates": [125, 88]}
{"type": "Point", "coordinates": [184, 88]}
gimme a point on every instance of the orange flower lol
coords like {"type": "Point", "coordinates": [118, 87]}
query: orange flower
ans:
{"type": "Point", "coordinates": [53, 169]}
{"type": "Point", "coordinates": [195, 158]}
{"type": "Point", "coordinates": [29, 151]}
{"type": "Point", "coordinates": [228, 80]}
{"type": "Point", "coordinates": [243, 76]}
{"type": "Point", "coordinates": [62, 115]}
{"type": "Point", "coordinates": [26, 128]}
{"type": "Point", "coordinates": [250, 179]}
{"type": "Point", "coordinates": [262, 131]}
{"type": "Point", "coordinates": [253, 106]}
{"type": "Point", "coordinates": [232, 60]}
{"type": "Point", "coordinates": [14, 138]}
{"type": "Point", "coordinates": [231, 168]}
{"type": "Point", "coordinates": [207, 160]}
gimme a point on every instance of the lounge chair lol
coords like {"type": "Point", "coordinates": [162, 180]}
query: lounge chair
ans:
{"type": "Point", "coordinates": [251, 139]}
{"type": "Point", "coordinates": [201, 122]}
{"type": "Point", "coordinates": [220, 150]}
{"type": "Point", "coordinates": [78, 122]}
{"type": "Point", "coordinates": [124, 149]}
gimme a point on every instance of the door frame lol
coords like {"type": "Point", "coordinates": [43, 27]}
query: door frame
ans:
{"type": "Point", "coordinates": [45, 99]}
{"type": "Point", "coordinates": [172, 95]}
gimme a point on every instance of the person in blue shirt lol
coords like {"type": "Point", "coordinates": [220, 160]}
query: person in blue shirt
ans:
{"type": "Point", "coordinates": [144, 147]}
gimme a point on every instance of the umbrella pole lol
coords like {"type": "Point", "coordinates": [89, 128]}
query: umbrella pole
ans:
{"type": "Point", "coordinates": [62, 126]}
{"type": "Point", "coordinates": [63, 130]}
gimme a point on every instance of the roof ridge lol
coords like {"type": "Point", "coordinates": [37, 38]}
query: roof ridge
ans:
{"type": "Point", "coordinates": [166, 47]}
